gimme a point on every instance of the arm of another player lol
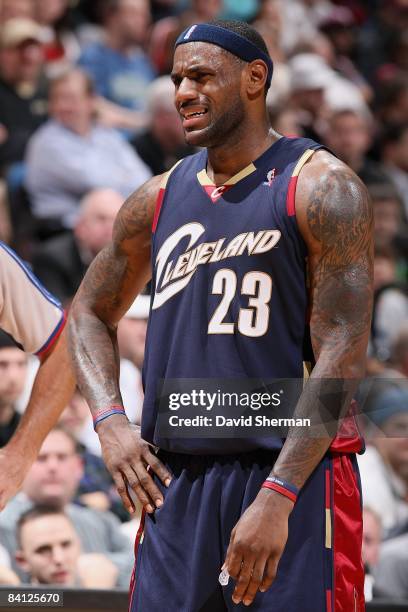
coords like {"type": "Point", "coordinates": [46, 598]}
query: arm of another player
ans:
{"type": "Point", "coordinates": [335, 218]}
{"type": "Point", "coordinates": [52, 390]}
{"type": "Point", "coordinates": [34, 319]}
{"type": "Point", "coordinates": [113, 280]}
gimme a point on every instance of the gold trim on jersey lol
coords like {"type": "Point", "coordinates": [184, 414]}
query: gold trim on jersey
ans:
{"type": "Point", "coordinates": [302, 160]}
{"type": "Point", "coordinates": [205, 180]}
{"type": "Point", "coordinates": [166, 175]}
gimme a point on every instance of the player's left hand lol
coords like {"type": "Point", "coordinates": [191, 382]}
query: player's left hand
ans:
{"type": "Point", "coordinates": [256, 545]}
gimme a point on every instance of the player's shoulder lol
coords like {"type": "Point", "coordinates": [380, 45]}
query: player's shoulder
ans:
{"type": "Point", "coordinates": [138, 211]}
{"type": "Point", "coordinates": [330, 197]}
{"type": "Point", "coordinates": [323, 165]}
{"type": "Point", "coordinates": [325, 177]}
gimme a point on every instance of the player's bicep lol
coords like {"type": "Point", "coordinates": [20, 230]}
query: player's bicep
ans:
{"type": "Point", "coordinates": [336, 222]}
{"type": "Point", "coordinates": [122, 269]}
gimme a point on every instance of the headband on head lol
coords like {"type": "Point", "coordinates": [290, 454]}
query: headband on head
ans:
{"type": "Point", "coordinates": [228, 40]}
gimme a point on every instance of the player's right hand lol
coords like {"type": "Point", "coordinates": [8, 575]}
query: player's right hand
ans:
{"type": "Point", "coordinates": [129, 459]}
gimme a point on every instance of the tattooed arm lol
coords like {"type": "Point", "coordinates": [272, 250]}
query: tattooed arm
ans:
{"type": "Point", "coordinates": [335, 219]}
{"type": "Point", "coordinates": [115, 277]}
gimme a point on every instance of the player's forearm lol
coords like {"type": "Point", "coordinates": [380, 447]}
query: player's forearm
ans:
{"type": "Point", "coordinates": [326, 398]}
{"type": "Point", "coordinates": [95, 358]}
{"type": "Point", "coordinates": [324, 402]}
{"type": "Point", "coordinates": [52, 390]}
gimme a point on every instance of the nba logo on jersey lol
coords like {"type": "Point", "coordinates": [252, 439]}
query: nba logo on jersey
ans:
{"type": "Point", "coordinates": [270, 177]}
{"type": "Point", "coordinates": [189, 33]}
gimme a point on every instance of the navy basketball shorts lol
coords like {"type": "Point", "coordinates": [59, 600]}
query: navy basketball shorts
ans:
{"type": "Point", "coordinates": [180, 549]}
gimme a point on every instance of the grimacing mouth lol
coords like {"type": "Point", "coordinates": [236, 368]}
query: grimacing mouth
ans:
{"type": "Point", "coordinates": [192, 110]}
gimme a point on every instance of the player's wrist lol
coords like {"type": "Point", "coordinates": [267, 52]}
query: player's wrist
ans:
{"type": "Point", "coordinates": [281, 486]}
{"type": "Point", "coordinates": [106, 417]}
{"type": "Point", "coordinates": [275, 501]}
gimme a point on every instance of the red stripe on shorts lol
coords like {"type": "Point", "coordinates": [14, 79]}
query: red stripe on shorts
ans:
{"type": "Point", "coordinates": [137, 544]}
{"type": "Point", "coordinates": [348, 535]}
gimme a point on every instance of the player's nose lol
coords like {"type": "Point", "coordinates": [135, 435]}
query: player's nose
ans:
{"type": "Point", "coordinates": [186, 92]}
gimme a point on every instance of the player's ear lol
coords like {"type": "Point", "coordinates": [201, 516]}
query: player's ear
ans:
{"type": "Point", "coordinates": [257, 73]}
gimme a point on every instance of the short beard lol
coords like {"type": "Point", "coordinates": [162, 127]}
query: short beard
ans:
{"type": "Point", "coordinates": [219, 131]}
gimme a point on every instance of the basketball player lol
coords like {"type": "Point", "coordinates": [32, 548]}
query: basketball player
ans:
{"type": "Point", "coordinates": [36, 322]}
{"type": "Point", "coordinates": [224, 237]}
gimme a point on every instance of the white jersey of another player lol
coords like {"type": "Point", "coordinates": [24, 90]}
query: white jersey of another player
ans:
{"type": "Point", "coordinates": [31, 315]}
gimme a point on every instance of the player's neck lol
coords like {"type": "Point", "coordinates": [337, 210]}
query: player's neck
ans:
{"type": "Point", "coordinates": [228, 159]}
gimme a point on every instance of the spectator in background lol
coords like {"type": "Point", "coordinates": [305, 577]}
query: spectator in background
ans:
{"type": "Point", "coordinates": [132, 330]}
{"type": "Point", "coordinates": [9, 9]}
{"type": "Point", "coordinates": [71, 154]}
{"type": "Point", "coordinates": [384, 465]}
{"type": "Point", "coordinates": [339, 25]}
{"type": "Point", "coordinates": [268, 22]}
{"type": "Point", "coordinates": [390, 308]}
{"type": "Point", "coordinates": [13, 373]}
{"type": "Point", "coordinates": [119, 67]}
{"type": "Point", "coordinates": [53, 480]}
{"type": "Point", "coordinates": [286, 121]}
{"type": "Point", "coordinates": [61, 262]}
{"type": "Point", "coordinates": [394, 151]}
{"type": "Point", "coordinates": [61, 46]}
{"type": "Point", "coordinates": [372, 534]}
{"type": "Point", "coordinates": [388, 211]}
{"type": "Point", "coordinates": [385, 21]}
{"type": "Point", "coordinates": [310, 77]}
{"type": "Point", "coordinates": [49, 551]}
{"type": "Point", "coordinates": [162, 144]}
{"type": "Point", "coordinates": [391, 575]}
{"type": "Point", "coordinates": [23, 101]}
{"type": "Point", "coordinates": [393, 100]}
{"type": "Point", "coordinates": [399, 352]}
{"type": "Point", "coordinates": [48, 546]}
{"type": "Point", "coordinates": [299, 20]}
{"type": "Point", "coordinates": [350, 135]}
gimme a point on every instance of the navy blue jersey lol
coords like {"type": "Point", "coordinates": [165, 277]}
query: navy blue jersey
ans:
{"type": "Point", "coordinates": [229, 296]}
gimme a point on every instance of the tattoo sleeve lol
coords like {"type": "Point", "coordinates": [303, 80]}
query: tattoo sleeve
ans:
{"type": "Point", "coordinates": [337, 226]}
{"type": "Point", "coordinates": [115, 277]}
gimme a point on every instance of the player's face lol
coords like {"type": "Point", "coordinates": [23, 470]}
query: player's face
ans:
{"type": "Point", "coordinates": [55, 474]}
{"type": "Point", "coordinates": [208, 93]}
{"type": "Point", "coordinates": [49, 550]}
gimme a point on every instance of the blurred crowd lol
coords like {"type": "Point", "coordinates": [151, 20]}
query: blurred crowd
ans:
{"type": "Point", "coordinates": [86, 116]}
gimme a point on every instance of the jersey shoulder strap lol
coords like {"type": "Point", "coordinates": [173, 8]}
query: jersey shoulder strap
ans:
{"type": "Point", "coordinates": [160, 195]}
